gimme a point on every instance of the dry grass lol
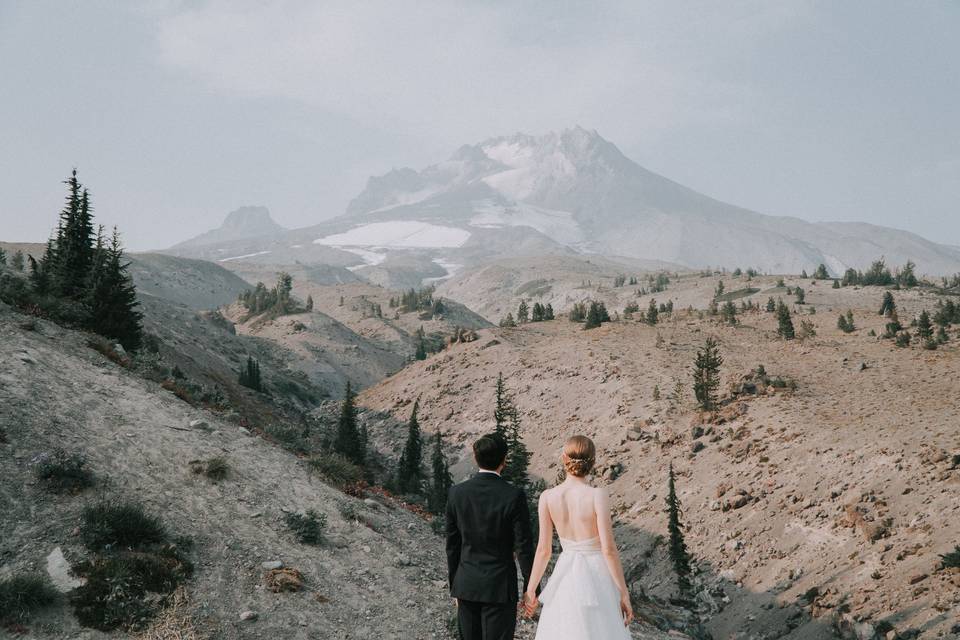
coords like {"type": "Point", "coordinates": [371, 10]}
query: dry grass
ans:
{"type": "Point", "coordinates": [174, 622]}
{"type": "Point", "coordinates": [285, 580]}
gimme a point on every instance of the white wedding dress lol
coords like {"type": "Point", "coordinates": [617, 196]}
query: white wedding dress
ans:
{"type": "Point", "coordinates": [581, 600]}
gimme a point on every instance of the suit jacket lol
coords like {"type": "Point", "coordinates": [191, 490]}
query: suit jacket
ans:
{"type": "Point", "coordinates": [487, 518]}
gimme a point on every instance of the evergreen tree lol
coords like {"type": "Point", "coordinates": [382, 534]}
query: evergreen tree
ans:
{"type": "Point", "coordinates": [548, 312]}
{"type": "Point", "coordinates": [508, 321]}
{"type": "Point", "coordinates": [17, 261]}
{"type": "Point", "coordinates": [719, 290]}
{"type": "Point", "coordinates": [706, 374]}
{"type": "Point", "coordinates": [501, 411]}
{"type": "Point", "coordinates": [836, 284]}
{"type": "Point", "coordinates": [803, 274]}
{"type": "Point", "coordinates": [888, 306]}
{"type": "Point", "coordinates": [112, 297]}
{"type": "Point", "coordinates": [678, 547]}
{"type": "Point", "coordinates": [578, 313]}
{"type": "Point", "coordinates": [784, 322]}
{"type": "Point", "coordinates": [3, 257]}
{"type": "Point", "coordinates": [537, 314]}
{"type": "Point", "coordinates": [771, 305]}
{"type": "Point", "coordinates": [74, 241]}
{"type": "Point", "coordinates": [593, 317]}
{"type": "Point", "coordinates": [523, 312]}
{"type": "Point", "coordinates": [518, 456]}
{"type": "Point", "coordinates": [440, 481]}
{"type": "Point", "coordinates": [729, 313]}
{"type": "Point", "coordinates": [409, 471]}
{"type": "Point", "coordinates": [348, 441]}
{"type": "Point", "coordinates": [250, 375]}
{"type": "Point", "coordinates": [924, 329]}
{"type": "Point", "coordinates": [309, 303]}
{"type": "Point", "coordinates": [821, 273]}
{"type": "Point", "coordinates": [801, 295]}
{"type": "Point", "coordinates": [653, 313]}
{"type": "Point", "coordinates": [845, 323]}
{"type": "Point", "coordinates": [906, 276]}
{"type": "Point", "coordinates": [421, 351]}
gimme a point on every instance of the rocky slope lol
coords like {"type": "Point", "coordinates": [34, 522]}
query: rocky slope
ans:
{"type": "Point", "coordinates": [812, 513]}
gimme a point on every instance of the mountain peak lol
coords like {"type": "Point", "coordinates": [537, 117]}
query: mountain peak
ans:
{"type": "Point", "coordinates": [240, 224]}
{"type": "Point", "coordinates": [254, 219]}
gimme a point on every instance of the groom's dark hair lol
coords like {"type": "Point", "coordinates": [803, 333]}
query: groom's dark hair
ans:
{"type": "Point", "coordinates": [490, 451]}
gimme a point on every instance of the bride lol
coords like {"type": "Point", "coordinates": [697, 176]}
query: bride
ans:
{"type": "Point", "coordinates": [586, 597]}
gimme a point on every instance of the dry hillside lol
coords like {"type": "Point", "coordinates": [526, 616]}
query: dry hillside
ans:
{"type": "Point", "coordinates": [811, 512]}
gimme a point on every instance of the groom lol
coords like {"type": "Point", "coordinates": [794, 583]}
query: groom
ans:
{"type": "Point", "coordinates": [487, 518]}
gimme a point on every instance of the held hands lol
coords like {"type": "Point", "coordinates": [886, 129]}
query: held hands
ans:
{"type": "Point", "coordinates": [530, 603]}
{"type": "Point", "coordinates": [626, 609]}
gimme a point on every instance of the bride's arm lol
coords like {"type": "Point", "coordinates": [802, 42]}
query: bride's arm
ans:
{"type": "Point", "coordinates": [544, 546]}
{"type": "Point", "coordinates": [607, 543]}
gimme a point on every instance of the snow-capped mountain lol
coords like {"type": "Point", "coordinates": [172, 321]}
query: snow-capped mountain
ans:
{"type": "Point", "coordinates": [560, 193]}
{"type": "Point", "coordinates": [577, 190]}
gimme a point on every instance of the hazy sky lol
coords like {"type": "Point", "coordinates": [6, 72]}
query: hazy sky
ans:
{"type": "Point", "coordinates": [176, 112]}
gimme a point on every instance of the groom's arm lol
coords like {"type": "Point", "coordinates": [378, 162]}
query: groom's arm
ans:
{"type": "Point", "coordinates": [524, 538]}
{"type": "Point", "coordinates": [454, 540]}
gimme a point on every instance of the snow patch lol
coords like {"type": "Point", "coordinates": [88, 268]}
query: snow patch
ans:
{"type": "Point", "coordinates": [248, 255]}
{"type": "Point", "coordinates": [369, 257]}
{"type": "Point", "coordinates": [401, 233]}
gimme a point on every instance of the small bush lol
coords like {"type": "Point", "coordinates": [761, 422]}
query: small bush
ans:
{"type": "Point", "coordinates": [114, 595]}
{"type": "Point", "coordinates": [337, 469]}
{"type": "Point", "coordinates": [215, 468]}
{"type": "Point", "coordinates": [123, 525]}
{"type": "Point", "coordinates": [21, 595]}
{"type": "Point", "coordinates": [349, 510]}
{"type": "Point", "coordinates": [308, 527]}
{"type": "Point", "coordinates": [62, 471]}
{"type": "Point", "coordinates": [951, 560]}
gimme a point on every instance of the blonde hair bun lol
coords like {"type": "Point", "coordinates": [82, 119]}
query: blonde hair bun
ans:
{"type": "Point", "coordinates": [579, 456]}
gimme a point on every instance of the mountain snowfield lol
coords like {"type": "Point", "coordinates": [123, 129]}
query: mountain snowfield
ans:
{"type": "Point", "coordinates": [568, 192]}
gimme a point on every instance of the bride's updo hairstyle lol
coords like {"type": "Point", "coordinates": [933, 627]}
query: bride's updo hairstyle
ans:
{"type": "Point", "coordinates": [579, 456]}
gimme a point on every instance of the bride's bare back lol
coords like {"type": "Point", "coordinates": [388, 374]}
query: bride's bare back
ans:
{"type": "Point", "coordinates": [573, 510]}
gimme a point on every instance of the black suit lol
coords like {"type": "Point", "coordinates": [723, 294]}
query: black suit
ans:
{"type": "Point", "coordinates": [487, 518]}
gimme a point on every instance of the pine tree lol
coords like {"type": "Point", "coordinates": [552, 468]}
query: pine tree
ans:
{"type": "Point", "coordinates": [594, 316]}
{"type": "Point", "coordinates": [821, 273]}
{"type": "Point", "coordinates": [845, 323]}
{"type": "Point", "coordinates": [501, 411]}
{"type": "Point", "coordinates": [652, 313]}
{"type": "Point", "coordinates": [348, 441]}
{"type": "Point", "coordinates": [409, 471]}
{"type": "Point", "coordinates": [801, 295]}
{"type": "Point", "coordinates": [112, 297]}
{"type": "Point", "coordinates": [678, 548]}
{"type": "Point", "coordinates": [729, 313]}
{"type": "Point", "coordinates": [925, 331]}
{"type": "Point", "coordinates": [17, 261]}
{"type": "Point", "coordinates": [888, 306]}
{"type": "Point", "coordinates": [421, 352]}
{"type": "Point", "coordinates": [771, 305]}
{"type": "Point", "coordinates": [719, 290]}
{"type": "Point", "coordinates": [537, 314]}
{"type": "Point", "coordinates": [508, 321]}
{"type": "Point", "coordinates": [548, 312]}
{"type": "Point", "coordinates": [706, 374]}
{"type": "Point", "coordinates": [3, 257]}
{"type": "Point", "coordinates": [250, 375]}
{"type": "Point", "coordinates": [74, 241]}
{"type": "Point", "coordinates": [784, 322]}
{"type": "Point", "coordinates": [440, 481]}
{"type": "Point", "coordinates": [518, 456]}
{"type": "Point", "coordinates": [523, 312]}
{"type": "Point", "coordinates": [836, 284]}
{"type": "Point", "coordinates": [309, 303]}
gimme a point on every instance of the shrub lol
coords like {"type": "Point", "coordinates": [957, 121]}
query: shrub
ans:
{"type": "Point", "coordinates": [307, 527]}
{"type": "Point", "coordinates": [951, 559]}
{"type": "Point", "coordinates": [21, 595]}
{"type": "Point", "coordinates": [903, 339]}
{"type": "Point", "coordinates": [215, 468]}
{"type": "Point", "coordinates": [114, 595]}
{"type": "Point", "coordinates": [349, 510]}
{"type": "Point", "coordinates": [62, 471]}
{"type": "Point", "coordinates": [120, 525]}
{"type": "Point", "coordinates": [337, 469]}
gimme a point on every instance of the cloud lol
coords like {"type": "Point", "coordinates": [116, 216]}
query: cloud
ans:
{"type": "Point", "coordinates": [442, 69]}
